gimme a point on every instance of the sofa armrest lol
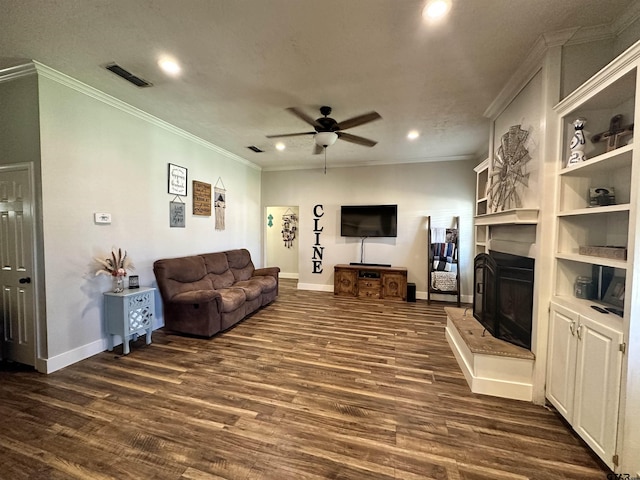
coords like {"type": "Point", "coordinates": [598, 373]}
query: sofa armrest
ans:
{"type": "Point", "coordinates": [267, 271]}
{"type": "Point", "coordinates": [196, 296]}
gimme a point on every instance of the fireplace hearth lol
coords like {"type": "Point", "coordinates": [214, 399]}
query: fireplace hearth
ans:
{"type": "Point", "coordinates": [503, 296]}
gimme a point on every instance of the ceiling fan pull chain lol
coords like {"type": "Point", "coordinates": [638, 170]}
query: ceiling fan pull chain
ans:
{"type": "Point", "coordinates": [325, 160]}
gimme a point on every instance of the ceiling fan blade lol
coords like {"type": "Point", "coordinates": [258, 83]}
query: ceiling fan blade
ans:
{"type": "Point", "coordinates": [317, 149]}
{"type": "Point", "coordinates": [304, 117]}
{"type": "Point", "coordinates": [291, 134]}
{"type": "Point", "coordinates": [356, 139]}
{"type": "Point", "coordinates": [359, 120]}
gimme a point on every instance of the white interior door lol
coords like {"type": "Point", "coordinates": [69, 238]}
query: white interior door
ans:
{"type": "Point", "coordinates": [16, 264]}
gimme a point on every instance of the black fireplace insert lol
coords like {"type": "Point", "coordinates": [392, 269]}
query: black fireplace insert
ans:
{"type": "Point", "coordinates": [503, 296]}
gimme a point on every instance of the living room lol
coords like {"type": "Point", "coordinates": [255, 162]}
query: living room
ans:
{"type": "Point", "coordinates": [90, 152]}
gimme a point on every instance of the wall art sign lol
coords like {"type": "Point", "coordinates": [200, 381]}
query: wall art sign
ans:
{"type": "Point", "coordinates": [220, 203]}
{"type": "Point", "coordinates": [177, 212]}
{"type": "Point", "coordinates": [201, 198]}
{"type": "Point", "coordinates": [318, 249]}
{"type": "Point", "coordinates": [177, 180]}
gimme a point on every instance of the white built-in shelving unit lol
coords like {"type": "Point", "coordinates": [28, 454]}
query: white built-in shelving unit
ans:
{"type": "Point", "coordinates": [588, 360]}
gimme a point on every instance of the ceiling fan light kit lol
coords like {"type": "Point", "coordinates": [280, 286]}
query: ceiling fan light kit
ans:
{"type": "Point", "coordinates": [325, 139]}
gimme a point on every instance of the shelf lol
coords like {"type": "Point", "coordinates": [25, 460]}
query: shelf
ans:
{"type": "Point", "coordinates": [623, 207]}
{"type": "Point", "coordinates": [618, 158]}
{"type": "Point", "coordinates": [588, 259]}
{"type": "Point", "coordinates": [481, 200]}
{"type": "Point", "coordinates": [516, 216]}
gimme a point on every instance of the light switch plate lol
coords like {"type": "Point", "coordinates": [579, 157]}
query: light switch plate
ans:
{"type": "Point", "coordinates": [102, 217]}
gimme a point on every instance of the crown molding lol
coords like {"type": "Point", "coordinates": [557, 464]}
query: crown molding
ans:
{"type": "Point", "coordinates": [626, 19]}
{"type": "Point", "coordinates": [96, 94]}
{"type": "Point", "coordinates": [18, 71]}
{"type": "Point", "coordinates": [531, 65]}
{"type": "Point", "coordinates": [410, 161]}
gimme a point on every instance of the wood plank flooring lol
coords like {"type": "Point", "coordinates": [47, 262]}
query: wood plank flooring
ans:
{"type": "Point", "coordinates": [311, 387]}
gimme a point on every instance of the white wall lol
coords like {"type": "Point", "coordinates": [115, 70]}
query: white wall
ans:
{"type": "Point", "coordinates": [97, 157]}
{"type": "Point", "coordinates": [442, 190]}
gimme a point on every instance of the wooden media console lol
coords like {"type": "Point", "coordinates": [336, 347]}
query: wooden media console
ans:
{"type": "Point", "coordinates": [370, 281]}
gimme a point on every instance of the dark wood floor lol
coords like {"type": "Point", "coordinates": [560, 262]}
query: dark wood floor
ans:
{"type": "Point", "coordinates": [311, 387]}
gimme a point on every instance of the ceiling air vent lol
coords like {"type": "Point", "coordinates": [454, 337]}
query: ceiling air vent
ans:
{"type": "Point", "coordinates": [128, 76]}
{"type": "Point", "coordinates": [255, 149]}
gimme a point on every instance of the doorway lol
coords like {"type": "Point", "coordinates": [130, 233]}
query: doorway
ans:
{"type": "Point", "coordinates": [17, 301]}
{"type": "Point", "coordinates": [282, 239]}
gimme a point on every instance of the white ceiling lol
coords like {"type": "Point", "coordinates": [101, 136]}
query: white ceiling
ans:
{"type": "Point", "coordinates": [245, 61]}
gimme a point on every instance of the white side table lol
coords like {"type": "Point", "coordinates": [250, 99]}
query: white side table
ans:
{"type": "Point", "coordinates": [129, 314]}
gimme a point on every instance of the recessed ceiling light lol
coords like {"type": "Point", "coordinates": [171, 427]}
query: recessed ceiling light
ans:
{"type": "Point", "coordinates": [413, 134]}
{"type": "Point", "coordinates": [436, 9]}
{"type": "Point", "coordinates": [169, 66]}
{"type": "Point", "coordinates": [280, 146]}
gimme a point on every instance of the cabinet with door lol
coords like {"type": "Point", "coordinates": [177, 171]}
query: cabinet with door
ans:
{"type": "Point", "coordinates": [583, 373]}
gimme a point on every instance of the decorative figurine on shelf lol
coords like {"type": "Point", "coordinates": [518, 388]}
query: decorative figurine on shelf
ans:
{"type": "Point", "coordinates": [578, 143]}
{"type": "Point", "coordinates": [614, 135]}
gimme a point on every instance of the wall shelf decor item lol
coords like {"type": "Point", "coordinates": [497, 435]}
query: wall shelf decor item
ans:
{"type": "Point", "coordinates": [578, 142]}
{"type": "Point", "coordinates": [177, 180]}
{"type": "Point", "coordinates": [616, 133]}
{"type": "Point", "coordinates": [177, 210]}
{"type": "Point", "coordinates": [508, 170]}
{"type": "Point", "coordinates": [201, 198]}
{"type": "Point", "coordinates": [220, 203]}
{"type": "Point", "coordinates": [289, 227]}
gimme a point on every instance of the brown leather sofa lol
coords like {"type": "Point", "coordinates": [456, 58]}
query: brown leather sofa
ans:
{"type": "Point", "coordinates": [204, 294]}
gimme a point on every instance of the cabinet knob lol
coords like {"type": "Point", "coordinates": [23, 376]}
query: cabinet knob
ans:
{"type": "Point", "coordinates": [25, 280]}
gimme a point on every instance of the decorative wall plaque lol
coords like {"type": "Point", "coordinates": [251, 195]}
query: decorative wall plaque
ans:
{"type": "Point", "coordinates": [201, 198]}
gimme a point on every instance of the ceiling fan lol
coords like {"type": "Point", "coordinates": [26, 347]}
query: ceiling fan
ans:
{"type": "Point", "coordinates": [327, 130]}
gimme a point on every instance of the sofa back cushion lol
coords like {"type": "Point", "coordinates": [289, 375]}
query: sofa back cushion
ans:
{"type": "Point", "coordinates": [218, 270]}
{"type": "Point", "coordinates": [240, 264]}
{"type": "Point", "coordinates": [179, 275]}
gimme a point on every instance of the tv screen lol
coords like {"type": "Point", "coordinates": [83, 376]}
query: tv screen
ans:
{"type": "Point", "coordinates": [369, 221]}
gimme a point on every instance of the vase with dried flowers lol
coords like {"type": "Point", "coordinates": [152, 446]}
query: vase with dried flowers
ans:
{"type": "Point", "coordinates": [115, 266]}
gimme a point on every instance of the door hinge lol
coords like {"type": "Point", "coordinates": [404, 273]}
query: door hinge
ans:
{"type": "Point", "coordinates": [623, 347]}
{"type": "Point", "coordinates": [615, 459]}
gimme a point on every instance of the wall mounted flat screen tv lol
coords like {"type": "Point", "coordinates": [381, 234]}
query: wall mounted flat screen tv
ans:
{"type": "Point", "coordinates": [369, 221]}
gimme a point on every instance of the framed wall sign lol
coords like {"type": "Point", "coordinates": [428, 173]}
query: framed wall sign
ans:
{"type": "Point", "coordinates": [177, 180]}
{"type": "Point", "coordinates": [201, 198]}
{"type": "Point", "coordinates": [176, 214]}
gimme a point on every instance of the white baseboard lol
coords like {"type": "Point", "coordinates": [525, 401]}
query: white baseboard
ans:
{"type": "Point", "coordinates": [294, 276]}
{"type": "Point", "coordinates": [315, 287]}
{"type": "Point", "coordinates": [65, 359]}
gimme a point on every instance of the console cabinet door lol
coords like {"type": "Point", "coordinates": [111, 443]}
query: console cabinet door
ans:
{"type": "Point", "coordinates": [561, 367]}
{"type": "Point", "coordinates": [394, 285]}
{"type": "Point", "coordinates": [597, 391]}
{"type": "Point", "coordinates": [346, 282]}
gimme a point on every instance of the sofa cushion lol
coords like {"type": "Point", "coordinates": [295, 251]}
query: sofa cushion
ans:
{"type": "Point", "coordinates": [266, 283]}
{"type": "Point", "coordinates": [251, 287]}
{"type": "Point", "coordinates": [180, 275]}
{"type": "Point", "coordinates": [232, 299]}
{"type": "Point", "coordinates": [240, 264]}
{"type": "Point", "coordinates": [218, 271]}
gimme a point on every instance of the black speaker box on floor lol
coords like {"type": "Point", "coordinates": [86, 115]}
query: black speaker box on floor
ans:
{"type": "Point", "coordinates": [411, 292]}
